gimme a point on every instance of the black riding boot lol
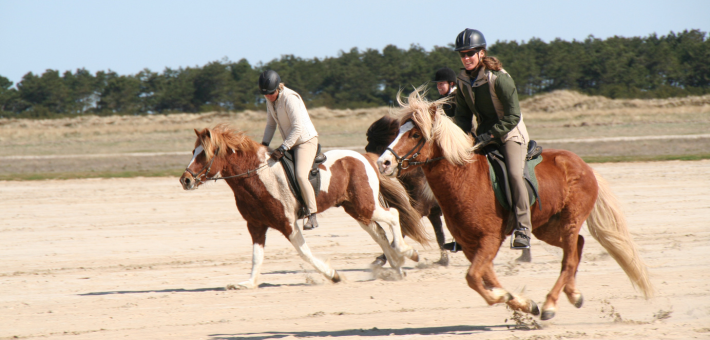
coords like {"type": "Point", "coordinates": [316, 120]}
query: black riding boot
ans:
{"type": "Point", "coordinates": [312, 222]}
{"type": "Point", "coordinates": [521, 238]}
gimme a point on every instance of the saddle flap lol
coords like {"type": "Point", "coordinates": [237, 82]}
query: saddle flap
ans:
{"type": "Point", "coordinates": [313, 175]}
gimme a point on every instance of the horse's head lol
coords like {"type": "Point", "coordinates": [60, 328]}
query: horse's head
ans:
{"type": "Point", "coordinates": [205, 162]}
{"type": "Point", "coordinates": [425, 136]}
{"type": "Point", "coordinates": [408, 149]}
{"type": "Point", "coordinates": [381, 133]}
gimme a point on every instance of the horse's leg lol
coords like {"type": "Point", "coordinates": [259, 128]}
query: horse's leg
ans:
{"type": "Point", "coordinates": [570, 289]}
{"type": "Point", "coordinates": [482, 267]}
{"type": "Point", "coordinates": [525, 256]}
{"type": "Point", "coordinates": [378, 234]}
{"type": "Point", "coordinates": [304, 251]}
{"type": "Point", "coordinates": [391, 217]}
{"type": "Point", "coordinates": [258, 237]}
{"type": "Point", "coordinates": [566, 237]}
{"type": "Point", "coordinates": [516, 302]}
{"type": "Point", "coordinates": [435, 219]}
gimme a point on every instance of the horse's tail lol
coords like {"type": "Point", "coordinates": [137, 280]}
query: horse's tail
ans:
{"type": "Point", "coordinates": [410, 220]}
{"type": "Point", "coordinates": [607, 225]}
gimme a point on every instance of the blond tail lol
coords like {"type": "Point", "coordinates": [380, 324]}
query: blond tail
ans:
{"type": "Point", "coordinates": [607, 225]}
{"type": "Point", "coordinates": [410, 220]}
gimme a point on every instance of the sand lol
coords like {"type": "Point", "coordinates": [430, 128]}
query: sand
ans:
{"type": "Point", "coordinates": [140, 258]}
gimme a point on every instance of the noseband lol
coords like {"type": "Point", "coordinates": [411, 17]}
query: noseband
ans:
{"type": "Point", "coordinates": [410, 161]}
{"type": "Point", "coordinates": [203, 172]}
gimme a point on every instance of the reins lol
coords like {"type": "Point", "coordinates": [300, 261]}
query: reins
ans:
{"type": "Point", "coordinates": [415, 153]}
{"type": "Point", "coordinates": [203, 173]}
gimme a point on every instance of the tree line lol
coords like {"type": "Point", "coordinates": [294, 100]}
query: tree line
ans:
{"type": "Point", "coordinates": [619, 67]}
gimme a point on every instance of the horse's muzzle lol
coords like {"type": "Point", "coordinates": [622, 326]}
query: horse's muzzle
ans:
{"type": "Point", "coordinates": [187, 181]}
{"type": "Point", "coordinates": [385, 164]}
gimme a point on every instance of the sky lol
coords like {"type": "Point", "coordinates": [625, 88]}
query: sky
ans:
{"type": "Point", "coordinates": [128, 36]}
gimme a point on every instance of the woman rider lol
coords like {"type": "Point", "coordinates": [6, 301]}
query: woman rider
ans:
{"type": "Point", "coordinates": [498, 118]}
{"type": "Point", "coordinates": [285, 109]}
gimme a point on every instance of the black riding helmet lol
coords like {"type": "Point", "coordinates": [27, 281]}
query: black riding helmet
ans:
{"type": "Point", "coordinates": [445, 74]}
{"type": "Point", "coordinates": [469, 39]}
{"type": "Point", "coordinates": [269, 82]}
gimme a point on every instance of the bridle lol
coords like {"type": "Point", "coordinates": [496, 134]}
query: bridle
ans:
{"type": "Point", "coordinates": [206, 169]}
{"type": "Point", "coordinates": [415, 153]}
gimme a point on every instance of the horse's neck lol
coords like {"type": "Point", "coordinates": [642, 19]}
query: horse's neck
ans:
{"type": "Point", "coordinates": [241, 165]}
{"type": "Point", "coordinates": [450, 179]}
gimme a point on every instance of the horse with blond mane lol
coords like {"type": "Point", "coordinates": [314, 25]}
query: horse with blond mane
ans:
{"type": "Point", "coordinates": [571, 193]}
{"type": "Point", "coordinates": [261, 190]}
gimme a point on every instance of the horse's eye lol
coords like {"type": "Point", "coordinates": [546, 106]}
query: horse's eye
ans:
{"type": "Point", "coordinates": [415, 135]}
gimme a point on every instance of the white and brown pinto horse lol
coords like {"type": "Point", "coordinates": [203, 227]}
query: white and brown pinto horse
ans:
{"type": "Point", "coordinates": [263, 197]}
{"type": "Point", "coordinates": [571, 193]}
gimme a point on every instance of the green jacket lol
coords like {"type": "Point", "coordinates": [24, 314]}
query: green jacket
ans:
{"type": "Point", "coordinates": [476, 101]}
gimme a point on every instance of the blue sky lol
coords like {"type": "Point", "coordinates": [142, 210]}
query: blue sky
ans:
{"type": "Point", "coordinates": [127, 36]}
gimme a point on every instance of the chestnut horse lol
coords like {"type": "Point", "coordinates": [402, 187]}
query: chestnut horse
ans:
{"type": "Point", "coordinates": [263, 197]}
{"type": "Point", "coordinates": [571, 193]}
{"type": "Point", "coordinates": [379, 136]}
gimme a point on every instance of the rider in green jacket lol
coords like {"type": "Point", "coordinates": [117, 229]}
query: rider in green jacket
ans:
{"type": "Point", "coordinates": [487, 106]}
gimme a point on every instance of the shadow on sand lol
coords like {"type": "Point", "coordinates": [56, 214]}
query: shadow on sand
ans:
{"type": "Point", "coordinates": [372, 332]}
{"type": "Point", "coordinates": [196, 290]}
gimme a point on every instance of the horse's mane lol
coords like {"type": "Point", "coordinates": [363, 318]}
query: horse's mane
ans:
{"type": "Point", "coordinates": [455, 144]}
{"type": "Point", "coordinates": [381, 133]}
{"type": "Point", "coordinates": [222, 137]}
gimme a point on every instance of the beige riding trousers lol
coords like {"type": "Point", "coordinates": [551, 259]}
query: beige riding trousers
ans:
{"type": "Point", "coordinates": [304, 154]}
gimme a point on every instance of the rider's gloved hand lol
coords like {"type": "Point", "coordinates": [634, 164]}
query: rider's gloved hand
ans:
{"type": "Point", "coordinates": [483, 139]}
{"type": "Point", "coordinates": [278, 153]}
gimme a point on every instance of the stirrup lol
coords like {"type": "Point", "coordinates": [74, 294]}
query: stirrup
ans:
{"type": "Point", "coordinates": [512, 240]}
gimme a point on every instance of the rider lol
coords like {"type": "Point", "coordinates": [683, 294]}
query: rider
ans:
{"type": "Point", "coordinates": [498, 119]}
{"type": "Point", "coordinates": [285, 108]}
{"type": "Point", "coordinates": [445, 79]}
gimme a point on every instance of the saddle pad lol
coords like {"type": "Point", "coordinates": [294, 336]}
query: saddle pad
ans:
{"type": "Point", "coordinates": [499, 180]}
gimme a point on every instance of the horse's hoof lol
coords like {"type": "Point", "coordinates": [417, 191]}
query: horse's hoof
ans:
{"type": "Point", "coordinates": [240, 286]}
{"type": "Point", "coordinates": [336, 278]}
{"type": "Point", "coordinates": [534, 310]}
{"type": "Point", "coordinates": [579, 301]}
{"type": "Point", "coordinates": [524, 256]}
{"type": "Point", "coordinates": [415, 256]}
{"type": "Point", "coordinates": [379, 261]}
{"type": "Point", "coordinates": [547, 315]}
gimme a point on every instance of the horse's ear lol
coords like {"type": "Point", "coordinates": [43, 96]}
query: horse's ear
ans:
{"type": "Point", "coordinates": [208, 133]}
{"type": "Point", "coordinates": [197, 132]}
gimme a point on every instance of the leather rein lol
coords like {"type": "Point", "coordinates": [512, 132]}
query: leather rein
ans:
{"type": "Point", "coordinates": [410, 161]}
{"type": "Point", "coordinates": [206, 169]}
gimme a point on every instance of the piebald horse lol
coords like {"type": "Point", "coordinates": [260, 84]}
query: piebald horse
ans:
{"type": "Point", "coordinates": [263, 197]}
{"type": "Point", "coordinates": [571, 193]}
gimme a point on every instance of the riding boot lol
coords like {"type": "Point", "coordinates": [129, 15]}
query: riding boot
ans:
{"type": "Point", "coordinates": [312, 223]}
{"type": "Point", "coordinates": [521, 238]}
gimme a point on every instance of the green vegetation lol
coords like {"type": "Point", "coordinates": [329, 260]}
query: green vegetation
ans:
{"type": "Point", "coordinates": [618, 67]}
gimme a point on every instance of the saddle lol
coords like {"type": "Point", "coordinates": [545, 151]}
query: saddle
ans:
{"type": "Point", "coordinates": [499, 175]}
{"type": "Point", "coordinates": [313, 176]}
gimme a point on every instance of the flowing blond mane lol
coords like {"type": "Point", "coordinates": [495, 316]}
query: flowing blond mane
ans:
{"type": "Point", "coordinates": [223, 137]}
{"type": "Point", "coordinates": [454, 143]}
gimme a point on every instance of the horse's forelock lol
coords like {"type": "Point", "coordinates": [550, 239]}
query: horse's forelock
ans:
{"type": "Point", "coordinates": [454, 143]}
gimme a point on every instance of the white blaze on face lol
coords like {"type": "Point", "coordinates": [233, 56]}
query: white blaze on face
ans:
{"type": "Point", "coordinates": [197, 152]}
{"type": "Point", "coordinates": [387, 155]}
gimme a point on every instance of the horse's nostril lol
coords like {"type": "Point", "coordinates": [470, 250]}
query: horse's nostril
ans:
{"type": "Point", "coordinates": [387, 163]}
